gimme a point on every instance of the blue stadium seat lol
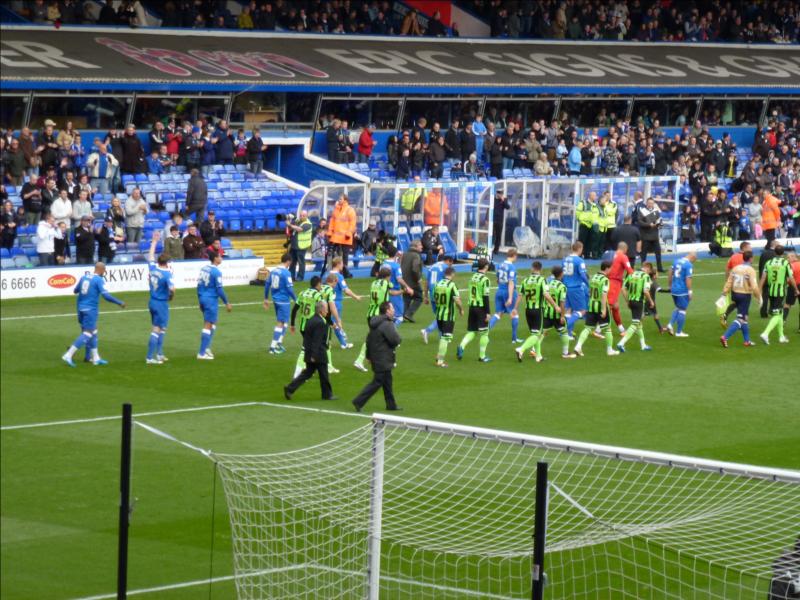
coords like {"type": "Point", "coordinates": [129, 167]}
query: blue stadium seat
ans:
{"type": "Point", "coordinates": [4, 253]}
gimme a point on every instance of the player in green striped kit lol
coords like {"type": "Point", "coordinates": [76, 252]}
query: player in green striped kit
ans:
{"type": "Point", "coordinates": [598, 311]}
{"type": "Point", "coordinates": [306, 305]}
{"type": "Point", "coordinates": [328, 294]}
{"type": "Point", "coordinates": [636, 289]}
{"type": "Point", "coordinates": [534, 292]}
{"type": "Point", "coordinates": [778, 276]}
{"type": "Point", "coordinates": [447, 299]}
{"type": "Point", "coordinates": [379, 292]}
{"type": "Point", "coordinates": [554, 319]}
{"type": "Point", "coordinates": [479, 311]}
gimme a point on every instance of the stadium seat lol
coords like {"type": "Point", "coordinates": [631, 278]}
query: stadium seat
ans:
{"type": "Point", "coordinates": [4, 253]}
{"type": "Point", "coordinates": [233, 253]}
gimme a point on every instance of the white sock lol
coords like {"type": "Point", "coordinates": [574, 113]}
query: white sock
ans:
{"type": "Point", "coordinates": [71, 352]}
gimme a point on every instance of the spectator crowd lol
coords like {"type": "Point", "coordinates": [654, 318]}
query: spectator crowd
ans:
{"type": "Point", "coordinates": [640, 20]}
{"type": "Point", "coordinates": [715, 190]}
{"type": "Point", "coordinates": [58, 177]}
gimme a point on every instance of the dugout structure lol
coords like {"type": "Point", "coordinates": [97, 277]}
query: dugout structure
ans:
{"type": "Point", "coordinates": [407, 508]}
{"type": "Point", "coordinates": [464, 209]}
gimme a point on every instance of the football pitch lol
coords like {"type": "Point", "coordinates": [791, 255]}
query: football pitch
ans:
{"type": "Point", "coordinates": [60, 454]}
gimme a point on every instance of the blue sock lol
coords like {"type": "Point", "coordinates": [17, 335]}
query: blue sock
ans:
{"type": "Point", "coordinates": [205, 341]}
{"type": "Point", "coordinates": [493, 321]}
{"type": "Point", "coordinates": [160, 346]}
{"type": "Point", "coordinates": [152, 344]}
{"type": "Point", "coordinates": [571, 320]}
{"type": "Point", "coordinates": [432, 327]}
{"type": "Point", "coordinates": [81, 341]}
{"type": "Point", "coordinates": [746, 331]}
{"type": "Point", "coordinates": [674, 318]}
{"type": "Point", "coordinates": [341, 336]}
{"type": "Point", "coordinates": [514, 327]}
{"type": "Point", "coordinates": [681, 320]}
{"type": "Point", "coordinates": [733, 328]}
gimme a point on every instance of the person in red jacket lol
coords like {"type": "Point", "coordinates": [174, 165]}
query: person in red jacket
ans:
{"type": "Point", "coordinates": [366, 143]}
{"type": "Point", "coordinates": [620, 266]}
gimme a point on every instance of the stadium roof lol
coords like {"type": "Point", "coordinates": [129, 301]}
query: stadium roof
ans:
{"type": "Point", "coordinates": [35, 57]}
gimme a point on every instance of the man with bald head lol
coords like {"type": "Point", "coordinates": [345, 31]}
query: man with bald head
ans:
{"type": "Point", "coordinates": [89, 290]}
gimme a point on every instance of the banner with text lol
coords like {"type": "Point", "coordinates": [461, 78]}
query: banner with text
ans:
{"type": "Point", "coordinates": [132, 277]}
{"type": "Point", "coordinates": [147, 59]}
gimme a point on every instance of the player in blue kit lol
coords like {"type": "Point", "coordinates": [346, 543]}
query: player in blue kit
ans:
{"type": "Point", "coordinates": [209, 293]}
{"type": "Point", "coordinates": [505, 299]}
{"type": "Point", "coordinates": [280, 286]}
{"type": "Point", "coordinates": [396, 282]}
{"type": "Point", "coordinates": [577, 282]}
{"type": "Point", "coordinates": [680, 285]}
{"type": "Point", "coordinates": [162, 291]}
{"type": "Point", "coordinates": [89, 289]}
{"type": "Point", "coordinates": [341, 289]}
{"type": "Point", "coordinates": [434, 275]}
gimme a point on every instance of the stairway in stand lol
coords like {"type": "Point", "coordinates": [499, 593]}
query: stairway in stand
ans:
{"type": "Point", "coordinates": [268, 246]}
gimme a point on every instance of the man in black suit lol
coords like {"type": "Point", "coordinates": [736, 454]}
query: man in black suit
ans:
{"type": "Point", "coordinates": [382, 341]}
{"type": "Point", "coordinates": [315, 348]}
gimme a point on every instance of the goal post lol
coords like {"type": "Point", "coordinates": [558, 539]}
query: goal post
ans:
{"type": "Point", "coordinates": [411, 508]}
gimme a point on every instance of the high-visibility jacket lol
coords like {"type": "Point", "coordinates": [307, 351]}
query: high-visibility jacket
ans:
{"type": "Point", "coordinates": [342, 224]}
{"type": "Point", "coordinates": [435, 207]}
{"type": "Point", "coordinates": [588, 213]}
{"type": "Point", "coordinates": [609, 216]}
{"type": "Point", "coordinates": [304, 237]}
{"type": "Point", "coordinates": [408, 199]}
{"type": "Point", "coordinates": [722, 236]}
{"type": "Point", "coordinates": [770, 212]}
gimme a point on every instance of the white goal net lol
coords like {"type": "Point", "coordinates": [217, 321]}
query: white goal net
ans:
{"type": "Point", "coordinates": [404, 508]}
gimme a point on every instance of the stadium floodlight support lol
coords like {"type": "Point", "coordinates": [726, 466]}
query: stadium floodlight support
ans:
{"type": "Point", "coordinates": [124, 501]}
{"type": "Point", "coordinates": [410, 508]}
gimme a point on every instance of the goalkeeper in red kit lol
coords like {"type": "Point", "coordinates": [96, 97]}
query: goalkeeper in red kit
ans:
{"type": "Point", "coordinates": [620, 267]}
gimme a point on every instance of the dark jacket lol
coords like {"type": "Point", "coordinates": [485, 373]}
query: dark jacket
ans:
{"type": "Point", "coordinates": [224, 145]}
{"type": "Point", "coordinates": [84, 242]}
{"type": "Point", "coordinates": [254, 148]}
{"type": "Point", "coordinates": [501, 205]}
{"type": "Point", "coordinates": [382, 340]}
{"type": "Point", "coordinates": [193, 247]}
{"type": "Point", "coordinates": [628, 234]}
{"type": "Point", "coordinates": [315, 340]}
{"type": "Point", "coordinates": [452, 144]}
{"type": "Point", "coordinates": [196, 193]}
{"type": "Point", "coordinates": [645, 219]}
{"type": "Point", "coordinates": [210, 232]}
{"type": "Point", "coordinates": [106, 245]}
{"type": "Point", "coordinates": [132, 154]}
{"type": "Point", "coordinates": [411, 267]}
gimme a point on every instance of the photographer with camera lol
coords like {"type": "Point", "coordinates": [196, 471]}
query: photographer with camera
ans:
{"type": "Point", "coordinates": [300, 232]}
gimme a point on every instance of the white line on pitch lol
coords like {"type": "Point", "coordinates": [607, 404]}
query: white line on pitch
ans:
{"type": "Point", "coordinates": [185, 410]}
{"type": "Point", "coordinates": [143, 414]}
{"type": "Point", "coordinates": [162, 588]}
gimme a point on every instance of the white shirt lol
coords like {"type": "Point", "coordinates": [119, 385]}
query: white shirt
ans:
{"type": "Point", "coordinates": [45, 238]}
{"type": "Point", "coordinates": [61, 210]}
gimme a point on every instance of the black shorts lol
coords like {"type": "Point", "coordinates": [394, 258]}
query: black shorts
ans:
{"type": "Point", "coordinates": [791, 297]}
{"type": "Point", "coordinates": [476, 320]}
{"type": "Point", "coordinates": [534, 318]}
{"type": "Point", "coordinates": [637, 309]}
{"type": "Point", "coordinates": [650, 311]}
{"type": "Point", "coordinates": [446, 327]}
{"type": "Point", "coordinates": [775, 304]}
{"type": "Point", "coordinates": [593, 319]}
{"type": "Point", "coordinates": [554, 323]}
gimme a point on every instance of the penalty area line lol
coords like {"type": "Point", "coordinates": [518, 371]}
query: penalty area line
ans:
{"type": "Point", "coordinates": [175, 411]}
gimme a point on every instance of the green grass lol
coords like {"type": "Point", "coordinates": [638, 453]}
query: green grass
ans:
{"type": "Point", "coordinates": [60, 483]}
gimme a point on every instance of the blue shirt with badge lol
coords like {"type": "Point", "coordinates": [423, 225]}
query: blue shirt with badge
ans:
{"type": "Point", "coordinates": [681, 273]}
{"type": "Point", "coordinates": [574, 271]}
{"type": "Point", "coordinates": [280, 286]}
{"type": "Point", "coordinates": [209, 285]}
{"type": "Point", "coordinates": [160, 283]}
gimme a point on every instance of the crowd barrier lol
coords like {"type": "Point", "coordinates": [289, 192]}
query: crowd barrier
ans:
{"type": "Point", "coordinates": [130, 277]}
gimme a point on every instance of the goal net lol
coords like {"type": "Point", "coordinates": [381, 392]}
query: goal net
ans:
{"type": "Point", "coordinates": [404, 508]}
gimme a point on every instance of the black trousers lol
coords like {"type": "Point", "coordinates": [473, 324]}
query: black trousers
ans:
{"type": "Point", "coordinates": [707, 229]}
{"type": "Point", "coordinates": [411, 304]}
{"type": "Point", "coordinates": [769, 234]}
{"type": "Point", "coordinates": [652, 246]}
{"type": "Point", "coordinates": [497, 233]}
{"type": "Point", "coordinates": [344, 251]}
{"type": "Point", "coordinates": [298, 266]}
{"type": "Point", "coordinates": [380, 379]}
{"type": "Point", "coordinates": [585, 237]}
{"type": "Point", "coordinates": [308, 373]}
